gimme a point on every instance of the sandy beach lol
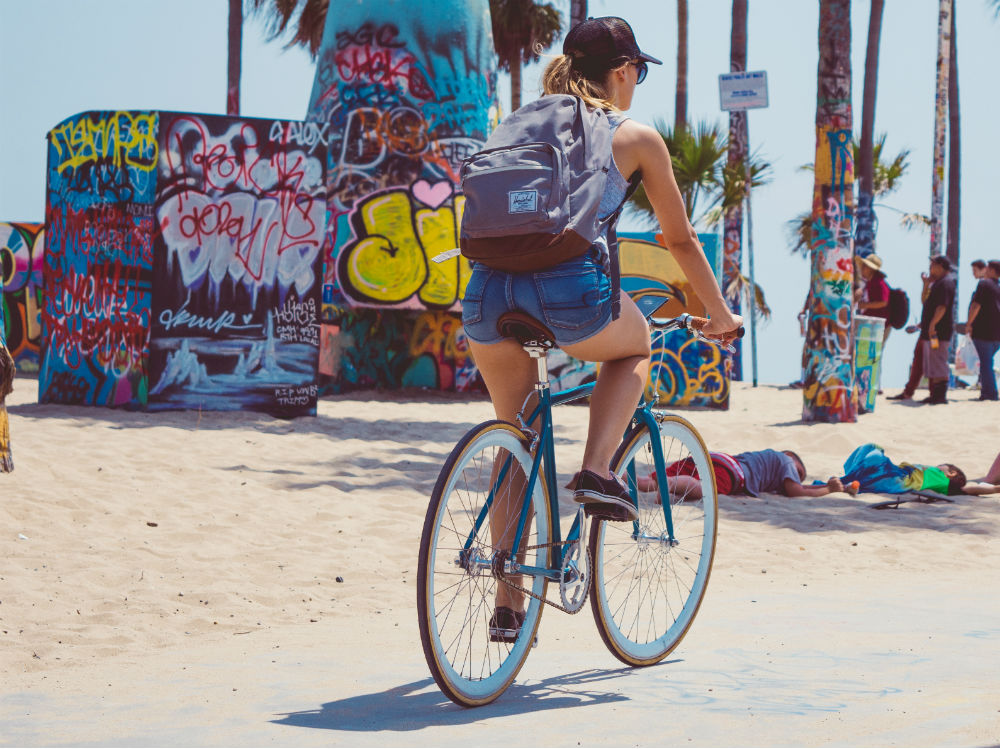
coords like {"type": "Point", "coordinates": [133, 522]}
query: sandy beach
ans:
{"type": "Point", "coordinates": [205, 579]}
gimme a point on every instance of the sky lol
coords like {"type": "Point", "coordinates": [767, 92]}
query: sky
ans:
{"type": "Point", "coordinates": [61, 57]}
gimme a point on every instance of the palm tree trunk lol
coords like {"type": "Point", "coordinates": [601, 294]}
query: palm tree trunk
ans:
{"type": "Point", "coordinates": [732, 263]}
{"type": "Point", "coordinates": [681, 96]}
{"type": "Point", "coordinates": [577, 12]}
{"type": "Point", "coordinates": [828, 356]}
{"type": "Point", "coordinates": [864, 238]}
{"type": "Point", "coordinates": [515, 83]}
{"type": "Point", "coordinates": [954, 152]}
{"type": "Point", "coordinates": [940, 107]}
{"type": "Point", "coordinates": [235, 49]}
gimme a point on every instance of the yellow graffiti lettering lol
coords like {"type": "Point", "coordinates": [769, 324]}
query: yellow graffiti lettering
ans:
{"type": "Point", "coordinates": [126, 139]}
{"type": "Point", "coordinates": [393, 258]}
{"type": "Point", "coordinates": [388, 264]}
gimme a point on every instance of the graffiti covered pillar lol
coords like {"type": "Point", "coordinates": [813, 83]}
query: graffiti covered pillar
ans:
{"type": "Point", "coordinates": [98, 259]}
{"type": "Point", "coordinates": [828, 356]}
{"type": "Point", "coordinates": [22, 249]}
{"type": "Point", "coordinates": [404, 91]}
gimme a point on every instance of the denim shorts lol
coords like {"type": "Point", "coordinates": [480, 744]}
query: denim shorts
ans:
{"type": "Point", "coordinates": [573, 299]}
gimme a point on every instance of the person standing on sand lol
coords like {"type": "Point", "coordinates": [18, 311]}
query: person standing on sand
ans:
{"type": "Point", "coordinates": [936, 327]}
{"type": "Point", "coordinates": [917, 364]}
{"type": "Point", "coordinates": [983, 327]}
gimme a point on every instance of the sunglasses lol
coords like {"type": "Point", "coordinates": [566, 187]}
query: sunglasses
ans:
{"type": "Point", "coordinates": [641, 68]}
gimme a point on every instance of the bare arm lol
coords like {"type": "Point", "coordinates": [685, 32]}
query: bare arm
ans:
{"type": "Point", "coordinates": [932, 328]}
{"type": "Point", "coordinates": [979, 488]}
{"type": "Point", "coordinates": [795, 489]}
{"type": "Point", "coordinates": [973, 311]}
{"type": "Point", "coordinates": [640, 147]}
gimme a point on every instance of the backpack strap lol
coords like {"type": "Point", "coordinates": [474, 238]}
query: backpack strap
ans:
{"type": "Point", "coordinates": [615, 269]}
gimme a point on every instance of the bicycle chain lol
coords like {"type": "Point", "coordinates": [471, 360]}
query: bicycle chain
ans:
{"type": "Point", "coordinates": [502, 578]}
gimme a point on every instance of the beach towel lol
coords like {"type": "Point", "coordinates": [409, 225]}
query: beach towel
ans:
{"type": "Point", "coordinates": [869, 466]}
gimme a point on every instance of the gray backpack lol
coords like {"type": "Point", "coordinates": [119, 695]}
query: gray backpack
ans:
{"type": "Point", "coordinates": [532, 195]}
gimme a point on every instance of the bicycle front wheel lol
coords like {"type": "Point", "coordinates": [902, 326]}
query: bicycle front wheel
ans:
{"type": "Point", "coordinates": [647, 585]}
{"type": "Point", "coordinates": [468, 531]}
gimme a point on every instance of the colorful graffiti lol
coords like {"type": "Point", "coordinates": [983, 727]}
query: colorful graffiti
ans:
{"type": "Point", "coordinates": [868, 339]}
{"type": "Point", "coordinates": [228, 216]}
{"type": "Point", "coordinates": [240, 210]}
{"type": "Point", "coordinates": [22, 258]}
{"type": "Point", "coordinates": [403, 93]}
{"type": "Point", "coordinates": [828, 354]}
{"type": "Point", "coordinates": [684, 371]}
{"type": "Point", "coordinates": [98, 259]}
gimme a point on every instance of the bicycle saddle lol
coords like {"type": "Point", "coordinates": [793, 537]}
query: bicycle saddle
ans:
{"type": "Point", "coordinates": [525, 329]}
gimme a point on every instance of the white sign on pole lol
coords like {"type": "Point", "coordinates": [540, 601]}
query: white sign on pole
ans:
{"type": "Point", "coordinates": [743, 90]}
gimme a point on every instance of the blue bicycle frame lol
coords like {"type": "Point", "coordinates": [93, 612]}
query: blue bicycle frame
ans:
{"type": "Point", "coordinates": [544, 438]}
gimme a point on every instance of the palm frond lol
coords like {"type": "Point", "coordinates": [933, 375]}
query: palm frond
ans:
{"type": "Point", "coordinates": [306, 19]}
{"type": "Point", "coordinates": [740, 288]}
{"type": "Point", "coordinates": [523, 29]}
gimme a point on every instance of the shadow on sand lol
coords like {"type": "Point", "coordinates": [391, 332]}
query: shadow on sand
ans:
{"type": "Point", "coordinates": [420, 704]}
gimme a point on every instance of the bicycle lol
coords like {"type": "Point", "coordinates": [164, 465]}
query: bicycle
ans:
{"type": "Point", "coordinates": [646, 578]}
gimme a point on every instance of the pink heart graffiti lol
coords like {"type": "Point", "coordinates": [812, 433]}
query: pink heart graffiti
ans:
{"type": "Point", "coordinates": [431, 195]}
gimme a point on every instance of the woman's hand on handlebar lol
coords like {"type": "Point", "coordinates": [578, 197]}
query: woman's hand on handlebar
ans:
{"type": "Point", "coordinates": [724, 327]}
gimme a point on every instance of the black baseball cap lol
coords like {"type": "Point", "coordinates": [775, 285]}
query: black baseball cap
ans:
{"type": "Point", "coordinates": [599, 44]}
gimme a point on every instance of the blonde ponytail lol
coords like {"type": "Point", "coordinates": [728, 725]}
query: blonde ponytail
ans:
{"type": "Point", "coordinates": [560, 78]}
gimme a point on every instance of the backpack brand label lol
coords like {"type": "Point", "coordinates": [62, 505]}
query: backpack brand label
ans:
{"type": "Point", "coordinates": [522, 201]}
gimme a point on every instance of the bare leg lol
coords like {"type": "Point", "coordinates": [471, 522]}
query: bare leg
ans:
{"type": "Point", "coordinates": [623, 346]}
{"type": "Point", "coordinates": [992, 475]}
{"type": "Point", "coordinates": [509, 374]}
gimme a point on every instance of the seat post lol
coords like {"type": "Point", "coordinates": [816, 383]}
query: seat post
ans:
{"type": "Point", "coordinates": [538, 353]}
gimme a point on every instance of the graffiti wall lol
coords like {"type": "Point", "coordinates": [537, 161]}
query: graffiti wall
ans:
{"type": "Point", "coordinates": [98, 258]}
{"type": "Point", "coordinates": [22, 250]}
{"type": "Point", "coordinates": [684, 371]}
{"type": "Point", "coordinates": [228, 216]}
{"type": "Point", "coordinates": [404, 91]}
{"type": "Point", "coordinates": [241, 211]}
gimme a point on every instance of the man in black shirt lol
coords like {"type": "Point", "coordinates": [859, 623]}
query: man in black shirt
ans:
{"type": "Point", "coordinates": [984, 328]}
{"type": "Point", "coordinates": [936, 326]}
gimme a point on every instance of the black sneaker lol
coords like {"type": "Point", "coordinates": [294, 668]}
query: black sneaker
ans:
{"type": "Point", "coordinates": [605, 499]}
{"type": "Point", "coordinates": [904, 396]}
{"type": "Point", "coordinates": [505, 624]}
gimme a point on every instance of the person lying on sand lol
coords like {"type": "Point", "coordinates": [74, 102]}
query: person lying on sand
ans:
{"type": "Point", "coordinates": [874, 472]}
{"type": "Point", "coordinates": [754, 473]}
{"type": "Point", "coordinates": [988, 484]}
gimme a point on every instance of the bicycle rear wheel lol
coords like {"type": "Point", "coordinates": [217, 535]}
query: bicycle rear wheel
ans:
{"type": "Point", "coordinates": [471, 517]}
{"type": "Point", "coordinates": [647, 588]}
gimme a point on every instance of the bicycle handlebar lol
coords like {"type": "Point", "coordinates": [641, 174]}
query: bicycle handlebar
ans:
{"type": "Point", "coordinates": [693, 325]}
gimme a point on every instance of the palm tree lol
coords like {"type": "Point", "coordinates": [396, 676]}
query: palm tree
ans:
{"type": "Point", "coordinates": [940, 107]}
{"type": "Point", "coordinates": [739, 136]}
{"type": "Point", "coordinates": [864, 236]}
{"type": "Point", "coordinates": [521, 30]}
{"type": "Point", "coordinates": [828, 355]}
{"type": "Point", "coordinates": [235, 49]}
{"type": "Point", "coordinates": [577, 12]}
{"type": "Point", "coordinates": [954, 152]}
{"type": "Point", "coordinates": [681, 95]}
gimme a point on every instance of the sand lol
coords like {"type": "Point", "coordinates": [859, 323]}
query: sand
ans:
{"type": "Point", "coordinates": [205, 579]}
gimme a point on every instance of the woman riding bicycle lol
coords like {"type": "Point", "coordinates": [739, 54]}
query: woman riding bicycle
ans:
{"type": "Point", "coordinates": [601, 64]}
